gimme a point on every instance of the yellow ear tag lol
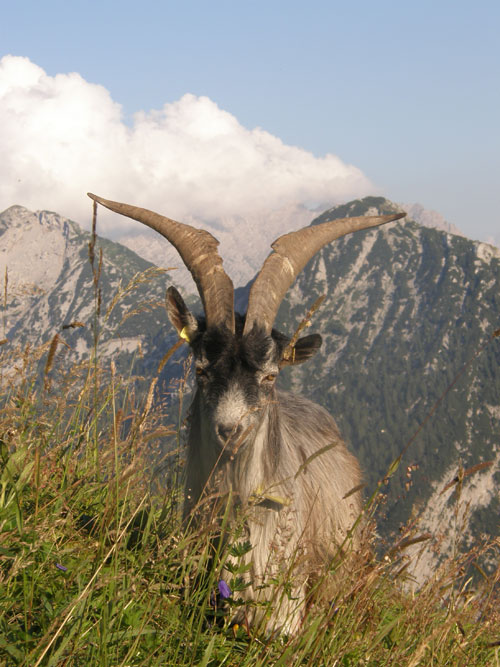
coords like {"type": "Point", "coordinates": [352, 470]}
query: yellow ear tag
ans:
{"type": "Point", "coordinates": [184, 334]}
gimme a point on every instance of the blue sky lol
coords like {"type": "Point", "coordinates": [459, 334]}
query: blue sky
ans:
{"type": "Point", "coordinates": [408, 93]}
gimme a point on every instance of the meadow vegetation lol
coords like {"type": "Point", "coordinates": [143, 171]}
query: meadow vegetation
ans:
{"type": "Point", "coordinates": [96, 567]}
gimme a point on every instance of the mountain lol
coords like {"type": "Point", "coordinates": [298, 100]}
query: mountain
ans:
{"type": "Point", "coordinates": [48, 288]}
{"type": "Point", "coordinates": [258, 230]}
{"type": "Point", "coordinates": [429, 218]}
{"type": "Point", "coordinates": [407, 308]}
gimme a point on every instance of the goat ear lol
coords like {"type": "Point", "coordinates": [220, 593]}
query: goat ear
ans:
{"type": "Point", "coordinates": [304, 349]}
{"type": "Point", "coordinates": [180, 316]}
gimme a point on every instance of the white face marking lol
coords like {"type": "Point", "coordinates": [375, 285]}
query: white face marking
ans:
{"type": "Point", "coordinates": [232, 408]}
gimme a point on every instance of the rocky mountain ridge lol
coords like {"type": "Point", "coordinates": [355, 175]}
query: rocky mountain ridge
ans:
{"type": "Point", "coordinates": [48, 285]}
{"type": "Point", "coordinates": [430, 218]}
{"type": "Point", "coordinates": [406, 309]}
{"type": "Point", "coordinates": [245, 239]}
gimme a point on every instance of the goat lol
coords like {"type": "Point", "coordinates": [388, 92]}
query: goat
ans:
{"type": "Point", "coordinates": [280, 457]}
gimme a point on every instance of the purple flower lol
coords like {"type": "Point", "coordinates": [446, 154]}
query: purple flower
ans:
{"type": "Point", "coordinates": [61, 567]}
{"type": "Point", "coordinates": [224, 590]}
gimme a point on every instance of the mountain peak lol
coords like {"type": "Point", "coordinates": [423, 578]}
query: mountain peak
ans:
{"type": "Point", "coordinates": [18, 216]}
{"type": "Point", "coordinates": [32, 253]}
{"type": "Point", "coordinates": [366, 206]}
{"type": "Point", "coordinates": [430, 218]}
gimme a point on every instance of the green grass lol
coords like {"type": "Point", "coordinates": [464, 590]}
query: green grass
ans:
{"type": "Point", "coordinates": [96, 568]}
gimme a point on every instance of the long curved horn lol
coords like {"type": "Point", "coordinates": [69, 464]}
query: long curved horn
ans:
{"type": "Point", "coordinates": [198, 250]}
{"type": "Point", "coordinates": [291, 253]}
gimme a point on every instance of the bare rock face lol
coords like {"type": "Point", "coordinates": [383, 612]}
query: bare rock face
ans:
{"type": "Point", "coordinates": [47, 284]}
{"type": "Point", "coordinates": [33, 248]}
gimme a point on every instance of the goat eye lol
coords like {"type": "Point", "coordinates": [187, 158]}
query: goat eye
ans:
{"type": "Point", "coordinates": [269, 378]}
{"type": "Point", "coordinates": [200, 372]}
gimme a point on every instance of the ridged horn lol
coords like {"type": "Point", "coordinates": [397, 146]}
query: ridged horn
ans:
{"type": "Point", "coordinates": [198, 250]}
{"type": "Point", "coordinates": [291, 253]}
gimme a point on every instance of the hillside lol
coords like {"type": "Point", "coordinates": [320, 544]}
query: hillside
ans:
{"type": "Point", "coordinates": [48, 288]}
{"type": "Point", "coordinates": [406, 307]}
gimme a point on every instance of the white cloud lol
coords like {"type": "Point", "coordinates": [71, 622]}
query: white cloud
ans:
{"type": "Point", "coordinates": [62, 136]}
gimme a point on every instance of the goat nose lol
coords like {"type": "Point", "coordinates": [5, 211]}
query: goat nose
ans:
{"type": "Point", "coordinates": [227, 432]}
